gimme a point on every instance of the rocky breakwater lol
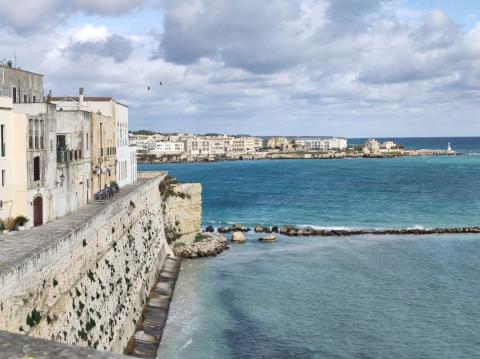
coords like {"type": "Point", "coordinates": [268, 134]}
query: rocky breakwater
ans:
{"type": "Point", "coordinates": [204, 245]}
{"type": "Point", "coordinates": [294, 231]}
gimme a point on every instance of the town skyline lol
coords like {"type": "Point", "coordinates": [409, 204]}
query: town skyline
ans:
{"type": "Point", "coordinates": [379, 68]}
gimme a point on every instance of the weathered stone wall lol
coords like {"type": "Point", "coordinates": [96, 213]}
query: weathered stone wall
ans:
{"type": "Point", "coordinates": [84, 278]}
{"type": "Point", "coordinates": [183, 212]}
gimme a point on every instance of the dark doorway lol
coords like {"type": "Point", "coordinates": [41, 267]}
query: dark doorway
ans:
{"type": "Point", "coordinates": [14, 94]}
{"type": "Point", "coordinates": [37, 211]}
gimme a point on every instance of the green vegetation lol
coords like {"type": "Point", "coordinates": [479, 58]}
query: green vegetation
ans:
{"type": "Point", "coordinates": [200, 237]}
{"type": "Point", "coordinates": [179, 244]}
{"type": "Point", "coordinates": [20, 221]}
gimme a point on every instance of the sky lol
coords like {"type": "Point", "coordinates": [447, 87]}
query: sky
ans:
{"type": "Point", "coordinates": [352, 68]}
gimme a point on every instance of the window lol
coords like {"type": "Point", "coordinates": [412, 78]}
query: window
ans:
{"type": "Point", "coordinates": [2, 139]}
{"type": "Point", "coordinates": [25, 99]}
{"type": "Point", "coordinates": [36, 134]}
{"type": "Point", "coordinates": [36, 169]}
{"type": "Point", "coordinates": [87, 141]}
{"type": "Point", "coordinates": [34, 99]}
{"type": "Point", "coordinates": [30, 133]}
{"type": "Point", "coordinates": [14, 94]}
{"type": "Point", "coordinates": [42, 134]}
{"type": "Point", "coordinates": [4, 178]}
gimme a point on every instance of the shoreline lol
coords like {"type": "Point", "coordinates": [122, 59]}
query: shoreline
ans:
{"type": "Point", "coordinates": [290, 156]}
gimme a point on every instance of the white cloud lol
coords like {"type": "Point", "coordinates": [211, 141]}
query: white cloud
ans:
{"type": "Point", "coordinates": [277, 66]}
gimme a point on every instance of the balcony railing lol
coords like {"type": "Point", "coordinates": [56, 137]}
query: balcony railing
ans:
{"type": "Point", "coordinates": [68, 155]}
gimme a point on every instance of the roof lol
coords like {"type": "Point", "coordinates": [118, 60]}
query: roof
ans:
{"type": "Point", "coordinates": [86, 98]}
{"type": "Point", "coordinates": [19, 69]}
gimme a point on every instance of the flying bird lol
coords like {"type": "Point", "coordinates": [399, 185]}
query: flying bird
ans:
{"type": "Point", "coordinates": [148, 88]}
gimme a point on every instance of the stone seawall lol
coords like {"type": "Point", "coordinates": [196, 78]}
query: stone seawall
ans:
{"type": "Point", "coordinates": [83, 279]}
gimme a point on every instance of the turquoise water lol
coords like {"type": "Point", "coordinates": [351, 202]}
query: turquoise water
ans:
{"type": "Point", "coordinates": [356, 297]}
{"type": "Point", "coordinates": [363, 297]}
{"type": "Point", "coordinates": [353, 193]}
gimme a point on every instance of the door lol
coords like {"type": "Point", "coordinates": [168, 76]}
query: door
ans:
{"type": "Point", "coordinates": [37, 211]}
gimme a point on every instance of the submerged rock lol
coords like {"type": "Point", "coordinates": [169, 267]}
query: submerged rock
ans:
{"type": "Point", "coordinates": [259, 229]}
{"type": "Point", "coordinates": [222, 230]}
{"type": "Point", "coordinates": [238, 237]}
{"type": "Point", "coordinates": [270, 238]}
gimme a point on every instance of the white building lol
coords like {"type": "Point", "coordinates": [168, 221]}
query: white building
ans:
{"type": "Point", "coordinates": [166, 147]}
{"type": "Point", "coordinates": [72, 185]}
{"type": "Point", "coordinates": [321, 144]}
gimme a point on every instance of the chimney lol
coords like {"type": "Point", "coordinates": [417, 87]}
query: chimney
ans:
{"type": "Point", "coordinates": [80, 97]}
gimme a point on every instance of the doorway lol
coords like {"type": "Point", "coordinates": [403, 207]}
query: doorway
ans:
{"type": "Point", "coordinates": [37, 211]}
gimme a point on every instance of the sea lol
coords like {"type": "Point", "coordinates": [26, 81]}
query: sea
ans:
{"type": "Point", "coordinates": [356, 297]}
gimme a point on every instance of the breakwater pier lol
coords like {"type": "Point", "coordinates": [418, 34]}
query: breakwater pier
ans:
{"type": "Point", "coordinates": [293, 231]}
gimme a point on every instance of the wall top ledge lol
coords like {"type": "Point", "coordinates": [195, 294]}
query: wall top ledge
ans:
{"type": "Point", "coordinates": [17, 346]}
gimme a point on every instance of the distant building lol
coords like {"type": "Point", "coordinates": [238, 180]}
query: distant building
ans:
{"type": "Point", "coordinates": [276, 142]}
{"type": "Point", "coordinates": [166, 147]}
{"type": "Point", "coordinates": [371, 147]}
{"type": "Point", "coordinates": [321, 144]}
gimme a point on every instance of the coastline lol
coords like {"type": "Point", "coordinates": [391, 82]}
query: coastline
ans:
{"type": "Point", "coordinates": [184, 158]}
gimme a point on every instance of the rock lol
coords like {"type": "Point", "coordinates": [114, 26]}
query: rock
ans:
{"type": "Point", "coordinates": [210, 229]}
{"type": "Point", "coordinates": [286, 229]}
{"type": "Point", "coordinates": [222, 230]}
{"type": "Point", "coordinates": [212, 246]}
{"type": "Point", "coordinates": [238, 237]}
{"type": "Point", "coordinates": [237, 226]}
{"type": "Point", "coordinates": [270, 238]}
{"type": "Point", "coordinates": [258, 229]}
{"type": "Point", "coordinates": [275, 229]}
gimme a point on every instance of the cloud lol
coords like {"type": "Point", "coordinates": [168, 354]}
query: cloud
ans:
{"type": "Point", "coordinates": [285, 66]}
{"type": "Point", "coordinates": [97, 41]}
{"type": "Point", "coordinates": [28, 16]}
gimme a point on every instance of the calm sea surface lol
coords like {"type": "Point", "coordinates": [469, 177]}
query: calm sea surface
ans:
{"type": "Point", "coordinates": [357, 297]}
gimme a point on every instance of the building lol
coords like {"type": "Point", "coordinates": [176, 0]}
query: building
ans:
{"type": "Point", "coordinates": [388, 146]}
{"type": "Point", "coordinates": [371, 147]}
{"type": "Point", "coordinates": [41, 160]}
{"type": "Point", "coordinates": [246, 144]}
{"type": "Point", "coordinates": [208, 145]}
{"type": "Point", "coordinates": [74, 168]}
{"type": "Point", "coordinates": [13, 161]}
{"type": "Point", "coordinates": [103, 152]}
{"type": "Point", "coordinates": [126, 155]}
{"type": "Point", "coordinates": [20, 85]}
{"type": "Point", "coordinates": [166, 147]}
{"type": "Point", "coordinates": [276, 142]}
{"type": "Point", "coordinates": [321, 144]}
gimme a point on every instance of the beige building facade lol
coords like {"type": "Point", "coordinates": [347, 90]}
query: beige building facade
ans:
{"type": "Point", "coordinates": [13, 158]}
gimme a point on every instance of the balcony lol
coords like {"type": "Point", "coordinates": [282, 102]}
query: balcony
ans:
{"type": "Point", "coordinates": [65, 156]}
